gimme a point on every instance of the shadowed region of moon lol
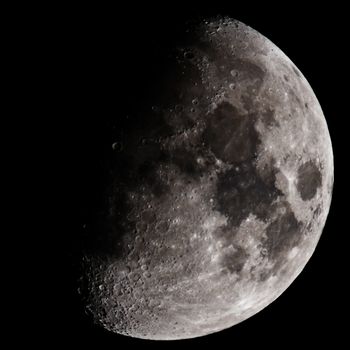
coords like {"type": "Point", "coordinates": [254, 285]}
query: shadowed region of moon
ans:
{"type": "Point", "coordinates": [219, 188]}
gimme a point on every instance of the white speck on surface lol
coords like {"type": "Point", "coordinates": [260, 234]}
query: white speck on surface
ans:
{"type": "Point", "coordinates": [293, 253]}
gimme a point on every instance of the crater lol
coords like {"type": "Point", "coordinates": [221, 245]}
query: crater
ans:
{"type": "Point", "coordinates": [309, 180]}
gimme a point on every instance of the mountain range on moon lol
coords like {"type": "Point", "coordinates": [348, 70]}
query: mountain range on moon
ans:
{"type": "Point", "coordinates": [218, 194]}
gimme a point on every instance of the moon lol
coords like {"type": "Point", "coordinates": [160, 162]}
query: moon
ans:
{"type": "Point", "coordinates": [219, 190]}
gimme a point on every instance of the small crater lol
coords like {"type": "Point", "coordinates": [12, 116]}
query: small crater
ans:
{"type": "Point", "coordinates": [117, 146]}
{"type": "Point", "coordinates": [178, 108]}
{"type": "Point", "coordinates": [234, 73]}
{"type": "Point", "coordinates": [147, 274]}
{"type": "Point", "coordinates": [189, 55]}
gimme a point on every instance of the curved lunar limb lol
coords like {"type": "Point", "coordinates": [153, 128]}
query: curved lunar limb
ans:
{"type": "Point", "coordinates": [220, 191]}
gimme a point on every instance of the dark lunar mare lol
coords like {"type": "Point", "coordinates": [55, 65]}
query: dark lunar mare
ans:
{"type": "Point", "coordinates": [241, 191]}
{"type": "Point", "coordinates": [309, 180]}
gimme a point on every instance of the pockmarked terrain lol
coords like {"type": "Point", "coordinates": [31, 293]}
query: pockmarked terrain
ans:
{"type": "Point", "coordinates": [220, 191]}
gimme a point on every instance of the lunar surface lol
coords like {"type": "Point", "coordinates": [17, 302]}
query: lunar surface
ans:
{"type": "Point", "coordinates": [219, 191]}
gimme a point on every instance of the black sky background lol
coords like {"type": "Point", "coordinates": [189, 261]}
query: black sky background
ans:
{"type": "Point", "coordinates": [98, 63]}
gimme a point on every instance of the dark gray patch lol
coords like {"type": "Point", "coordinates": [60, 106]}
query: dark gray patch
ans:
{"type": "Point", "coordinates": [235, 260]}
{"type": "Point", "coordinates": [294, 97]}
{"type": "Point", "coordinates": [249, 71]}
{"type": "Point", "coordinates": [317, 212]}
{"type": "Point", "coordinates": [285, 78]}
{"type": "Point", "coordinates": [186, 161]}
{"type": "Point", "coordinates": [264, 275]}
{"type": "Point", "coordinates": [230, 135]}
{"type": "Point", "coordinates": [248, 98]}
{"type": "Point", "coordinates": [268, 117]}
{"type": "Point", "coordinates": [225, 234]}
{"type": "Point", "coordinates": [149, 217]}
{"type": "Point", "coordinates": [296, 72]}
{"type": "Point", "coordinates": [283, 234]}
{"type": "Point", "coordinates": [308, 228]}
{"type": "Point", "coordinates": [252, 76]}
{"type": "Point", "coordinates": [309, 180]}
{"type": "Point", "coordinates": [243, 192]}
